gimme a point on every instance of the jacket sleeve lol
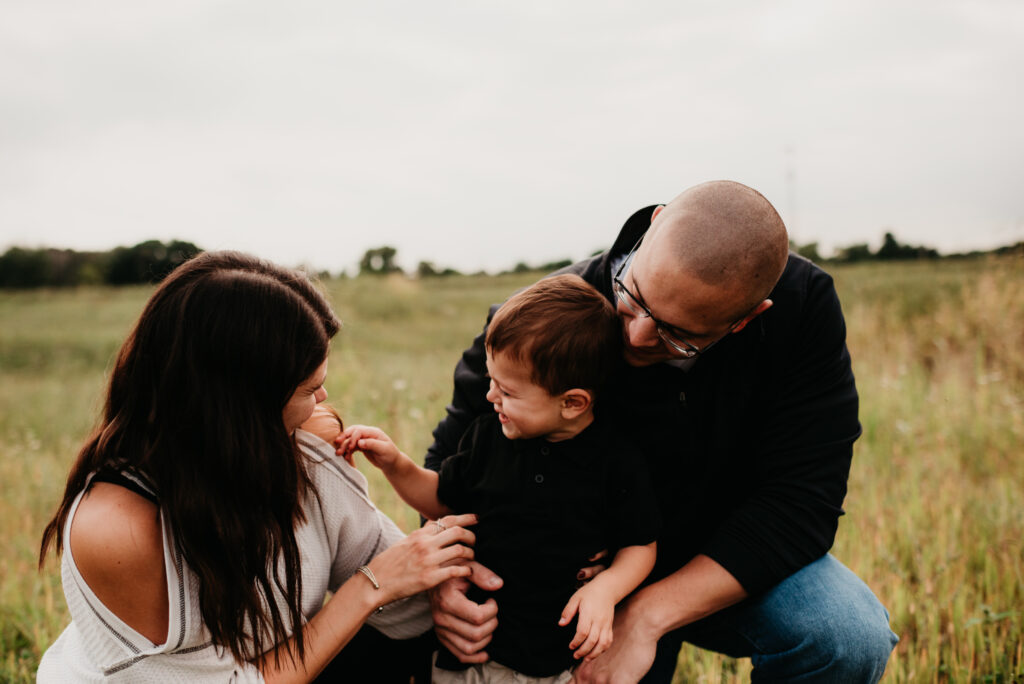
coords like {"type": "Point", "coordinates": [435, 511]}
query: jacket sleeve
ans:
{"type": "Point", "coordinates": [469, 400]}
{"type": "Point", "coordinates": [802, 424]}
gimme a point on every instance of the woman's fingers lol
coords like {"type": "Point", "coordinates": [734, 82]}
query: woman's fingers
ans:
{"type": "Point", "coordinates": [427, 558]}
{"type": "Point", "coordinates": [460, 520]}
{"type": "Point", "coordinates": [455, 552]}
{"type": "Point", "coordinates": [454, 535]}
{"type": "Point", "coordinates": [448, 572]}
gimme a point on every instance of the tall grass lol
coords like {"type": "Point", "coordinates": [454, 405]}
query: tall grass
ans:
{"type": "Point", "coordinates": [936, 502]}
{"type": "Point", "coordinates": [935, 510]}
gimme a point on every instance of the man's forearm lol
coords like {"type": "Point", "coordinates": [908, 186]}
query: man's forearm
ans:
{"type": "Point", "coordinates": [698, 589]}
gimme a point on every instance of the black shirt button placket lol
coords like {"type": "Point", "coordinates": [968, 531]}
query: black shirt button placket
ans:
{"type": "Point", "coordinates": [539, 477]}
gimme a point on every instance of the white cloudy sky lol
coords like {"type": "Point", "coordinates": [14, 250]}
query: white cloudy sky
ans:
{"type": "Point", "coordinates": [480, 134]}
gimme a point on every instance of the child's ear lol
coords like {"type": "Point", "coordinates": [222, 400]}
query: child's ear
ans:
{"type": "Point", "coordinates": [576, 402]}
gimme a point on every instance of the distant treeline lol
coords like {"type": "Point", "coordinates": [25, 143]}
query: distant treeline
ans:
{"type": "Point", "coordinates": [893, 250]}
{"type": "Point", "coordinates": [150, 261]}
{"type": "Point", "coordinates": [146, 262]}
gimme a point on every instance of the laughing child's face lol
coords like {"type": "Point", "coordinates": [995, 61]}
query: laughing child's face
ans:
{"type": "Point", "coordinates": [526, 410]}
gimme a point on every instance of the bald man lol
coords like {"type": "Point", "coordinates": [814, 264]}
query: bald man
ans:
{"type": "Point", "coordinates": [737, 387]}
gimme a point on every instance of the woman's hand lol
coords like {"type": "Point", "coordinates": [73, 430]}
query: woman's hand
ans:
{"type": "Point", "coordinates": [438, 551]}
{"type": "Point", "coordinates": [373, 442]}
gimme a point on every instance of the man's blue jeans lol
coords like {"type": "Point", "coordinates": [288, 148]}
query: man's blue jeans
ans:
{"type": "Point", "coordinates": [821, 624]}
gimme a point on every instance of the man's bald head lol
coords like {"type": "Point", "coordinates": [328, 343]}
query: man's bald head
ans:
{"type": "Point", "coordinates": [728, 236]}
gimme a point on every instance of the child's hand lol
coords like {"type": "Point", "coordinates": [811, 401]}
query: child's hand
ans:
{"type": "Point", "coordinates": [594, 626]}
{"type": "Point", "coordinates": [373, 442]}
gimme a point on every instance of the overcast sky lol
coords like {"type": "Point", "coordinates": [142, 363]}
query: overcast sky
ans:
{"type": "Point", "coordinates": [480, 134]}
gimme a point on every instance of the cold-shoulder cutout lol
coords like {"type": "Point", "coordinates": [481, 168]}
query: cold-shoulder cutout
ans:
{"type": "Point", "coordinates": [116, 541]}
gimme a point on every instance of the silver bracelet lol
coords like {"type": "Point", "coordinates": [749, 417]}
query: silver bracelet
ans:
{"type": "Point", "coordinates": [365, 569]}
{"type": "Point", "coordinates": [373, 580]}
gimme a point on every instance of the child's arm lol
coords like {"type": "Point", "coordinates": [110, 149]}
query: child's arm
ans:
{"type": "Point", "coordinates": [417, 486]}
{"type": "Point", "coordinates": [596, 600]}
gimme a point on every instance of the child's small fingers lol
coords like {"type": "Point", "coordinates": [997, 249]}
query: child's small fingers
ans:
{"type": "Point", "coordinates": [570, 610]}
{"type": "Point", "coordinates": [603, 642]}
{"type": "Point", "coordinates": [587, 646]}
{"type": "Point", "coordinates": [582, 632]}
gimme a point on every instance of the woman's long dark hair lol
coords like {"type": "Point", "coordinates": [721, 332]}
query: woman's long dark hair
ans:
{"type": "Point", "coordinates": [195, 403]}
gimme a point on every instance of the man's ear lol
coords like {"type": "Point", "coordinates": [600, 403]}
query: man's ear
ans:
{"type": "Point", "coordinates": [657, 210]}
{"type": "Point", "coordinates": [576, 402]}
{"type": "Point", "coordinates": [757, 311]}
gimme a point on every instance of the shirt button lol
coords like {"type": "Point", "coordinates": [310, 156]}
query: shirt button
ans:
{"type": "Point", "coordinates": [538, 478]}
{"type": "Point", "coordinates": [544, 451]}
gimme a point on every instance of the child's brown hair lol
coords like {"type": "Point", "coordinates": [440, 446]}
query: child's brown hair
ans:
{"type": "Point", "coordinates": [566, 329]}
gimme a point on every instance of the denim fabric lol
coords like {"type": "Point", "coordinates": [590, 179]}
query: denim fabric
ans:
{"type": "Point", "coordinates": [821, 624]}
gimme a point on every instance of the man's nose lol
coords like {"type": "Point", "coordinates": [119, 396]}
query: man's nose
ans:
{"type": "Point", "coordinates": [642, 332]}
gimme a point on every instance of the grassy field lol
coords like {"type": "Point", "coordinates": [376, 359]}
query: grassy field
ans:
{"type": "Point", "coordinates": [935, 511]}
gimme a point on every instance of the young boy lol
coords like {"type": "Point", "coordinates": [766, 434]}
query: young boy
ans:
{"type": "Point", "coordinates": [551, 483]}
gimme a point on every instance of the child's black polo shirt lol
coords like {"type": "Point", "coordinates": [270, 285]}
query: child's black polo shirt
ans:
{"type": "Point", "coordinates": [544, 508]}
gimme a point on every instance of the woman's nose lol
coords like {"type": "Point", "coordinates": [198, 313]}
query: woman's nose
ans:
{"type": "Point", "coordinates": [321, 395]}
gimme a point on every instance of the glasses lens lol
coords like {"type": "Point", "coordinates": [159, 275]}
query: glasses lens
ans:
{"type": "Point", "coordinates": [627, 298]}
{"type": "Point", "coordinates": [681, 347]}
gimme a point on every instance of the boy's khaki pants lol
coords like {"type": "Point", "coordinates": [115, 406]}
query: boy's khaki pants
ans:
{"type": "Point", "coordinates": [491, 673]}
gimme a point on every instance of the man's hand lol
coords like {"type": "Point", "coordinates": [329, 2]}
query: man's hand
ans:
{"type": "Point", "coordinates": [462, 626]}
{"type": "Point", "coordinates": [588, 573]}
{"type": "Point", "coordinates": [628, 658]}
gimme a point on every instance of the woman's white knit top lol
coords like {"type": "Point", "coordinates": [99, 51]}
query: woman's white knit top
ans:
{"type": "Point", "coordinates": [343, 530]}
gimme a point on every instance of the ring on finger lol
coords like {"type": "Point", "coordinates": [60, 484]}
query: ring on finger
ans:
{"type": "Point", "coordinates": [440, 526]}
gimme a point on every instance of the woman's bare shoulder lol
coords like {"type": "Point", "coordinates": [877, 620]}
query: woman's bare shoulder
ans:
{"type": "Point", "coordinates": [117, 543]}
{"type": "Point", "coordinates": [325, 423]}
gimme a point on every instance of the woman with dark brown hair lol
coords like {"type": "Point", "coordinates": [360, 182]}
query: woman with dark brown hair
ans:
{"type": "Point", "coordinates": [200, 527]}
